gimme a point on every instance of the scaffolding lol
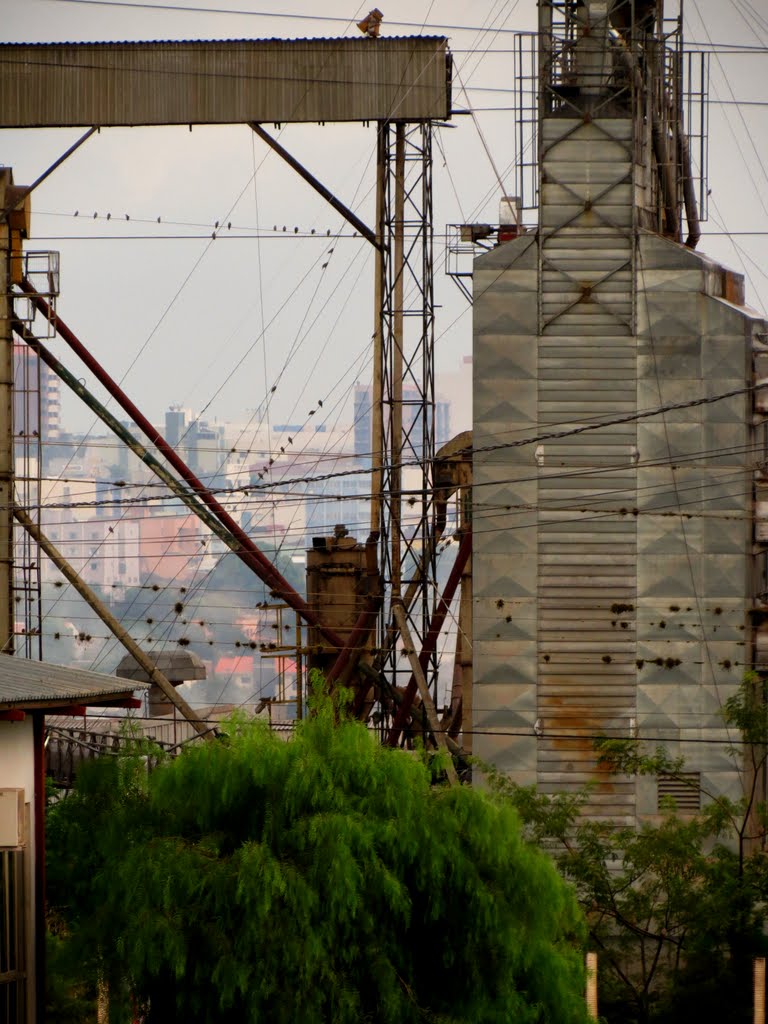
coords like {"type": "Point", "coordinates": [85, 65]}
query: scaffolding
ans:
{"type": "Point", "coordinates": [41, 269]}
{"type": "Point", "coordinates": [636, 61]}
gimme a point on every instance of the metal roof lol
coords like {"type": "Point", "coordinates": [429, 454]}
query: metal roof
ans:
{"type": "Point", "coordinates": [176, 666]}
{"type": "Point", "coordinates": [361, 40]}
{"type": "Point", "coordinates": [25, 683]}
{"type": "Point", "coordinates": [233, 81]}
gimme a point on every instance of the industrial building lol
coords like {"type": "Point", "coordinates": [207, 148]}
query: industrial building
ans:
{"type": "Point", "coordinates": [617, 587]}
{"type": "Point", "coordinates": [609, 506]}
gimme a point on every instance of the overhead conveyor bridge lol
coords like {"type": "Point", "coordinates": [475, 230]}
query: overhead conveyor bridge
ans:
{"type": "Point", "coordinates": [47, 85]}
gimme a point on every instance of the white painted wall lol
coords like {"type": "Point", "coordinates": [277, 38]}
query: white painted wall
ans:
{"type": "Point", "coordinates": [17, 771]}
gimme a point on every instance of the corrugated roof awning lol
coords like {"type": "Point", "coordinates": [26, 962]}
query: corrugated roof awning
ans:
{"type": "Point", "coordinates": [34, 685]}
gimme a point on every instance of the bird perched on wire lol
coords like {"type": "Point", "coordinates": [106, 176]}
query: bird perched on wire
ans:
{"type": "Point", "coordinates": [371, 25]}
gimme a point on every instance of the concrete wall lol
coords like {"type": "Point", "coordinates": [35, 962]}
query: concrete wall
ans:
{"type": "Point", "coordinates": [17, 772]}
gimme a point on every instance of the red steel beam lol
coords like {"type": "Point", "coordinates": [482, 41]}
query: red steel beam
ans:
{"type": "Point", "coordinates": [75, 710]}
{"type": "Point", "coordinates": [430, 641]}
{"type": "Point", "coordinates": [12, 715]}
{"type": "Point", "coordinates": [253, 556]}
{"type": "Point", "coordinates": [361, 630]}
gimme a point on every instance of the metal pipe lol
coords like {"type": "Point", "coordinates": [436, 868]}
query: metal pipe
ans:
{"type": "Point", "coordinates": [365, 702]}
{"type": "Point", "coordinates": [689, 192]}
{"type": "Point", "coordinates": [666, 177]}
{"type": "Point", "coordinates": [430, 641]}
{"type": "Point", "coordinates": [318, 186]}
{"type": "Point", "coordinates": [461, 690]}
{"type": "Point", "coordinates": [398, 613]}
{"type": "Point", "coordinates": [122, 432]}
{"type": "Point", "coordinates": [245, 549]}
{"type": "Point", "coordinates": [659, 141]}
{"type": "Point", "coordinates": [21, 194]}
{"type": "Point", "coordinates": [109, 620]}
{"type": "Point", "coordinates": [366, 620]}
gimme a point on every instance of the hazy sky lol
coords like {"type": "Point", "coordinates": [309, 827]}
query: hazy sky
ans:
{"type": "Point", "coordinates": [220, 323]}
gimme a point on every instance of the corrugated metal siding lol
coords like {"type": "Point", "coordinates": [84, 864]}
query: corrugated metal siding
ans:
{"type": "Point", "coordinates": [694, 496]}
{"type": "Point", "coordinates": [611, 568]}
{"type": "Point", "coordinates": [232, 82]}
{"type": "Point", "coordinates": [504, 484]}
{"type": "Point", "coordinates": [587, 560]}
{"type": "Point", "coordinates": [23, 681]}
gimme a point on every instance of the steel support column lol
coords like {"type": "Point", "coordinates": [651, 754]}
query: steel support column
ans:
{"type": "Point", "coordinates": [406, 370]}
{"type": "Point", "coordinates": [6, 424]}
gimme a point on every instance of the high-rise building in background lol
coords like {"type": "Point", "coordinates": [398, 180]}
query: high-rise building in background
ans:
{"type": "Point", "coordinates": [36, 396]}
{"type": "Point", "coordinates": [412, 404]}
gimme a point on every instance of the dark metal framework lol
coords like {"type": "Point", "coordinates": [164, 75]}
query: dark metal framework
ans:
{"type": "Point", "coordinates": [41, 269]}
{"type": "Point", "coordinates": [407, 324]}
{"type": "Point", "coordinates": [643, 55]}
{"type": "Point", "coordinates": [27, 485]}
{"type": "Point", "coordinates": [419, 73]}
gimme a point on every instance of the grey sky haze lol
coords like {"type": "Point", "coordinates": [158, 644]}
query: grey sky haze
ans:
{"type": "Point", "coordinates": [182, 317]}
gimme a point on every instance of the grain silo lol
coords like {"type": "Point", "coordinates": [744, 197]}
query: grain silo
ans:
{"type": "Point", "coordinates": [617, 572]}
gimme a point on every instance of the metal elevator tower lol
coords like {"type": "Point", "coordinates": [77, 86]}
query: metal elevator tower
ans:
{"type": "Point", "coordinates": [613, 490]}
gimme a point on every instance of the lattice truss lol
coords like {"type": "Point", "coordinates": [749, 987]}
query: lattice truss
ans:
{"type": "Point", "coordinates": [408, 383]}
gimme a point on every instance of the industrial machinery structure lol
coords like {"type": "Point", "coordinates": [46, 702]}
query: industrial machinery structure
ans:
{"type": "Point", "coordinates": [400, 84]}
{"type": "Point", "coordinates": [619, 588]}
{"type": "Point", "coordinates": [612, 499]}
{"type": "Point", "coordinates": [613, 401]}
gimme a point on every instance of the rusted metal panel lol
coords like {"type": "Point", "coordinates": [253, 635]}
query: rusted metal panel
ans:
{"type": "Point", "coordinates": [613, 572]}
{"type": "Point", "coordinates": [337, 586]}
{"type": "Point", "coordinates": [224, 82]}
{"type": "Point", "coordinates": [588, 552]}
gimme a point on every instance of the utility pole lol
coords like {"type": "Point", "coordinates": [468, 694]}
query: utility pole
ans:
{"type": "Point", "coordinates": [6, 421]}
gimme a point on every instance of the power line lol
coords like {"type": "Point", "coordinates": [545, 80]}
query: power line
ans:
{"type": "Point", "coordinates": [273, 14]}
{"type": "Point", "coordinates": [591, 737]}
{"type": "Point", "coordinates": [522, 442]}
{"type": "Point", "coordinates": [329, 18]}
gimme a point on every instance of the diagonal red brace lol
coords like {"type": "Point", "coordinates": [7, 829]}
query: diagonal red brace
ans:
{"type": "Point", "coordinates": [249, 553]}
{"type": "Point", "coordinates": [430, 641]}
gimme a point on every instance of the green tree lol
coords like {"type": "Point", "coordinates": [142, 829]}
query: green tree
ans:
{"type": "Point", "coordinates": [676, 907]}
{"type": "Point", "coordinates": [324, 879]}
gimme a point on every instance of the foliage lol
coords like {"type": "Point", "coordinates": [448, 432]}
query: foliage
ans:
{"type": "Point", "coordinates": [676, 907]}
{"type": "Point", "coordinates": [323, 879]}
{"type": "Point", "coordinates": [68, 1001]}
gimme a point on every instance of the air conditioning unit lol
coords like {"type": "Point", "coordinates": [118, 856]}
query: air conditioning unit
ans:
{"type": "Point", "coordinates": [11, 817]}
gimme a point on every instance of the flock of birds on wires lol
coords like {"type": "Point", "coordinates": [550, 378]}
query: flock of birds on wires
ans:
{"type": "Point", "coordinates": [156, 623]}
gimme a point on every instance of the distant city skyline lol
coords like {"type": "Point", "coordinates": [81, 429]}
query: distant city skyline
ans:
{"type": "Point", "coordinates": [262, 317]}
